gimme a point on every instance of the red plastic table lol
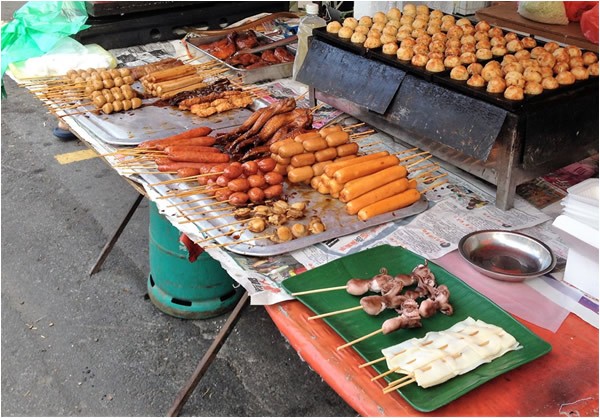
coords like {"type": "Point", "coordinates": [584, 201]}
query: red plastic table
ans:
{"type": "Point", "coordinates": [563, 382]}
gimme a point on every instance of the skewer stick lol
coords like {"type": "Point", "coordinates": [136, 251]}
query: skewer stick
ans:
{"type": "Point", "coordinates": [317, 107]}
{"type": "Point", "coordinates": [356, 308]}
{"type": "Point", "coordinates": [151, 172]}
{"type": "Point", "coordinates": [426, 173]}
{"type": "Point", "coordinates": [362, 366]}
{"type": "Point", "coordinates": [394, 388]}
{"type": "Point", "coordinates": [325, 289]}
{"type": "Point", "coordinates": [419, 161]}
{"type": "Point", "coordinates": [371, 144]}
{"type": "Point", "coordinates": [199, 200]}
{"type": "Point", "coordinates": [186, 179]}
{"type": "Point", "coordinates": [402, 379]}
{"type": "Point", "coordinates": [431, 165]}
{"type": "Point", "coordinates": [362, 134]}
{"type": "Point", "coordinates": [239, 242]}
{"type": "Point", "coordinates": [379, 376]}
{"type": "Point", "coordinates": [227, 208]}
{"type": "Point", "coordinates": [221, 235]}
{"type": "Point", "coordinates": [301, 96]}
{"type": "Point", "coordinates": [201, 219]}
{"type": "Point", "coordinates": [433, 186]}
{"type": "Point", "coordinates": [406, 150]}
{"type": "Point", "coordinates": [429, 180]}
{"type": "Point", "coordinates": [350, 127]}
{"type": "Point", "coordinates": [410, 157]}
{"type": "Point", "coordinates": [364, 337]}
{"type": "Point", "coordinates": [230, 223]}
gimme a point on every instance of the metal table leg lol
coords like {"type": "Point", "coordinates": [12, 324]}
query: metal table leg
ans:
{"type": "Point", "coordinates": [208, 358]}
{"type": "Point", "coordinates": [112, 241]}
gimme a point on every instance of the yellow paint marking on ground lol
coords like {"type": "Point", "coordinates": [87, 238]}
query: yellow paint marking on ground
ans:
{"type": "Point", "coordinates": [72, 157]}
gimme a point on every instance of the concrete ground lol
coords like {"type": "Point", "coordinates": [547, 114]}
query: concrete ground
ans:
{"type": "Point", "coordinates": [74, 345]}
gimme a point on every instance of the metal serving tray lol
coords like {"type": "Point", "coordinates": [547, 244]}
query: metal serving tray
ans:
{"type": "Point", "coordinates": [331, 211]}
{"type": "Point", "coordinates": [269, 72]}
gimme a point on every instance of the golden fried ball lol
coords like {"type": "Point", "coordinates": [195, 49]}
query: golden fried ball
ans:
{"type": "Point", "coordinates": [537, 51]}
{"type": "Point", "coordinates": [546, 72]}
{"type": "Point", "coordinates": [589, 58]}
{"type": "Point", "coordinates": [573, 51]}
{"type": "Point", "coordinates": [513, 93]}
{"type": "Point", "coordinates": [440, 36]}
{"type": "Point", "coordinates": [483, 54]}
{"type": "Point", "coordinates": [580, 73]}
{"type": "Point", "coordinates": [514, 46]}
{"type": "Point", "coordinates": [409, 9]}
{"type": "Point", "coordinates": [423, 39]}
{"type": "Point", "coordinates": [455, 32]}
{"type": "Point", "coordinates": [350, 22]}
{"type": "Point", "coordinates": [483, 44]}
{"type": "Point", "coordinates": [372, 43]}
{"type": "Point", "coordinates": [407, 20]}
{"type": "Point", "coordinates": [390, 48]}
{"type": "Point", "coordinates": [358, 38]}
{"type": "Point", "coordinates": [393, 22]}
{"type": "Point", "coordinates": [345, 32]}
{"type": "Point", "coordinates": [452, 51]}
{"type": "Point", "coordinates": [402, 35]}
{"type": "Point", "coordinates": [551, 46]}
{"type": "Point", "coordinates": [550, 83]}
{"type": "Point", "coordinates": [476, 80]}
{"type": "Point", "coordinates": [523, 54]}
{"type": "Point", "coordinates": [436, 55]}
{"type": "Point", "coordinates": [422, 10]}
{"type": "Point", "coordinates": [474, 68]}
{"type": "Point", "coordinates": [576, 62]}
{"type": "Point", "coordinates": [404, 53]}
{"type": "Point", "coordinates": [467, 58]}
{"type": "Point", "coordinates": [482, 26]}
{"type": "Point", "coordinates": [531, 74]}
{"type": "Point", "coordinates": [546, 59]}
{"type": "Point", "coordinates": [559, 67]}
{"type": "Point", "coordinates": [499, 51]}
{"type": "Point", "coordinates": [433, 29]}
{"type": "Point", "coordinates": [435, 65]}
{"type": "Point", "coordinates": [394, 14]}
{"type": "Point", "coordinates": [453, 43]}
{"type": "Point", "coordinates": [496, 85]}
{"type": "Point", "coordinates": [459, 73]}
{"type": "Point", "coordinates": [468, 48]}
{"type": "Point", "coordinates": [565, 78]}
{"type": "Point", "coordinates": [374, 33]}
{"type": "Point", "coordinates": [497, 41]}
{"type": "Point", "coordinates": [418, 32]}
{"type": "Point", "coordinates": [514, 78]}
{"type": "Point", "coordinates": [593, 69]}
{"type": "Point", "coordinates": [387, 39]}
{"type": "Point", "coordinates": [437, 46]}
{"type": "Point", "coordinates": [436, 14]}
{"type": "Point", "coordinates": [527, 63]}
{"type": "Point", "coordinates": [561, 55]}
{"type": "Point", "coordinates": [513, 66]}
{"type": "Point", "coordinates": [378, 26]}
{"type": "Point", "coordinates": [334, 26]}
{"type": "Point", "coordinates": [481, 36]}
{"type": "Point", "coordinates": [490, 71]}
{"type": "Point", "coordinates": [528, 42]}
{"type": "Point", "coordinates": [419, 23]}
{"type": "Point", "coordinates": [495, 31]}
{"type": "Point", "coordinates": [380, 17]}
{"type": "Point", "coordinates": [446, 25]}
{"type": "Point", "coordinates": [419, 60]}
{"type": "Point", "coordinates": [365, 21]}
{"type": "Point", "coordinates": [533, 88]}
{"type": "Point", "coordinates": [361, 29]}
{"type": "Point", "coordinates": [390, 30]}
{"type": "Point", "coordinates": [408, 42]}
{"type": "Point", "coordinates": [511, 36]}
{"type": "Point", "coordinates": [452, 61]}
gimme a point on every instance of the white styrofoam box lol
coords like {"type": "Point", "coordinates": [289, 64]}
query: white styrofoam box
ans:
{"type": "Point", "coordinates": [585, 192]}
{"type": "Point", "coordinates": [582, 270]}
{"type": "Point", "coordinates": [581, 203]}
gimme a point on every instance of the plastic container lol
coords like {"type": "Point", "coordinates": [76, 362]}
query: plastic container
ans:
{"type": "Point", "coordinates": [305, 28]}
{"type": "Point", "coordinates": [582, 202]}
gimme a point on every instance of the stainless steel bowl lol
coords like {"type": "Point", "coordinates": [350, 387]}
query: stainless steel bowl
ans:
{"type": "Point", "coordinates": [505, 255]}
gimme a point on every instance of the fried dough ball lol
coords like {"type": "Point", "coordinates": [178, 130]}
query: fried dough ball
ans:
{"type": "Point", "coordinates": [419, 60]}
{"type": "Point", "coordinates": [404, 53]}
{"type": "Point", "coordinates": [283, 234]}
{"type": "Point", "coordinates": [436, 14]}
{"type": "Point", "coordinates": [499, 51]}
{"type": "Point", "coordinates": [476, 80]}
{"type": "Point", "coordinates": [422, 10]}
{"type": "Point", "coordinates": [474, 68]}
{"type": "Point", "coordinates": [580, 73]}
{"type": "Point", "coordinates": [483, 44]}
{"type": "Point", "coordinates": [589, 58]}
{"type": "Point", "coordinates": [409, 9]}
{"type": "Point", "coordinates": [394, 14]}
{"type": "Point", "coordinates": [390, 30]}
{"type": "Point", "coordinates": [299, 230]}
{"type": "Point", "coordinates": [345, 32]}
{"type": "Point", "coordinates": [433, 29]}
{"type": "Point", "coordinates": [350, 22]}
{"type": "Point", "coordinates": [408, 43]}
{"type": "Point", "coordinates": [393, 22]}
{"type": "Point", "coordinates": [559, 67]}
{"type": "Point", "coordinates": [436, 55]}
{"type": "Point", "coordinates": [358, 38]}
{"type": "Point", "coordinates": [361, 29]}
{"type": "Point", "coordinates": [496, 85]}
{"type": "Point", "coordinates": [423, 39]}
{"type": "Point", "coordinates": [483, 26]}
{"type": "Point", "coordinates": [561, 55]}
{"type": "Point", "coordinates": [551, 46]}
{"type": "Point", "coordinates": [453, 51]}
{"type": "Point", "coordinates": [537, 51]}
{"type": "Point", "coordinates": [565, 78]}
{"type": "Point", "coordinates": [491, 71]}
{"type": "Point", "coordinates": [515, 78]}
{"type": "Point", "coordinates": [508, 58]}
{"type": "Point", "coordinates": [576, 62]}
{"type": "Point", "coordinates": [533, 88]}
{"type": "Point", "coordinates": [546, 72]}
{"type": "Point", "coordinates": [334, 26]}
{"type": "Point", "coordinates": [407, 20]}
{"type": "Point", "coordinates": [495, 31]}
{"type": "Point", "coordinates": [497, 41]}
{"type": "Point", "coordinates": [372, 43]}
{"type": "Point", "coordinates": [402, 35]}
{"type": "Point", "coordinates": [528, 42]}
{"type": "Point", "coordinates": [390, 48]}
{"type": "Point", "coordinates": [257, 225]}
{"type": "Point", "coordinates": [484, 54]}
{"type": "Point", "coordinates": [468, 48]}
{"type": "Point", "coordinates": [467, 58]}
{"type": "Point", "coordinates": [514, 46]}
{"type": "Point", "coordinates": [452, 61]}
{"type": "Point", "coordinates": [481, 36]}
{"type": "Point", "coordinates": [435, 65]}
{"type": "Point", "coordinates": [448, 18]}
{"type": "Point", "coordinates": [386, 39]}
{"type": "Point", "coordinates": [573, 51]}
{"type": "Point", "coordinates": [514, 93]}
{"type": "Point", "coordinates": [380, 17]}
{"type": "Point", "coordinates": [511, 36]}
{"type": "Point", "coordinates": [437, 46]}
{"type": "Point", "coordinates": [378, 26]}
{"type": "Point", "coordinates": [550, 83]}
{"type": "Point", "coordinates": [453, 43]}
{"type": "Point", "coordinates": [529, 63]}
{"type": "Point", "coordinates": [419, 23]}
{"type": "Point", "coordinates": [513, 67]}
{"type": "Point", "coordinates": [421, 49]}
{"type": "Point", "coordinates": [531, 74]}
{"type": "Point", "coordinates": [546, 59]}
{"type": "Point", "coordinates": [440, 36]}
{"type": "Point", "coordinates": [455, 32]}
{"type": "Point", "coordinates": [593, 69]}
{"type": "Point", "coordinates": [418, 32]}
{"type": "Point", "coordinates": [374, 33]}
{"type": "Point", "coordinates": [365, 21]}
{"type": "Point", "coordinates": [459, 73]}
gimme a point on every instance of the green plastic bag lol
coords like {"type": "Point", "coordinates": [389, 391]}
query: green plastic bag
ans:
{"type": "Point", "coordinates": [37, 27]}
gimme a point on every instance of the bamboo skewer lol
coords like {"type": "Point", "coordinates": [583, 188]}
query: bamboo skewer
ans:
{"type": "Point", "coordinates": [221, 235]}
{"type": "Point", "coordinates": [198, 200]}
{"type": "Point", "coordinates": [426, 173]}
{"type": "Point", "coordinates": [410, 157]}
{"type": "Point", "coordinates": [435, 185]}
{"type": "Point", "coordinates": [379, 376]}
{"type": "Point", "coordinates": [419, 161]}
{"type": "Point", "coordinates": [427, 166]}
{"type": "Point", "coordinates": [429, 180]}
{"type": "Point", "coordinates": [394, 388]}
{"type": "Point", "coordinates": [362, 366]}
{"type": "Point", "coordinates": [325, 289]}
{"type": "Point", "coordinates": [406, 150]}
{"type": "Point", "coordinates": [240, 241]}
{"type": "Point", "coordinates": [350, 127]}
{"type": "Point", "coordinates": [229, 224]}
{"type": "Point", "coordinates": [152, 172]}
{"type": "Point", "coordinates": [362, 135]}
{"type": "Point", "coordinates": [356, 308]}
{"type": "Point", "coordinates": [403, 378]}
{"type": "Point", "coordinates": [364, 337]}
{"type": "Point", "coordinates": [371, 144]}
{"type": "Point", "coordinates": [201, 219]}
{"type": "Point", "coordinates": [185, 179]}
{"type": "Point", "coordinates": [317, 107]}
{"type": "Point", "coordinates": [192, 209]}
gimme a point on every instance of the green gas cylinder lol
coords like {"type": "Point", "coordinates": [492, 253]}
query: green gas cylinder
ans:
{"type": "Point", "coordinates": [191, 290]}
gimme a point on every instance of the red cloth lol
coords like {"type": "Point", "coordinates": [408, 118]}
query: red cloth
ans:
{"type": "Point", "coordinates": [589, 24]}
{"type": "Point", "coordinates": [575, 9]}
{"type": "Point", "coordinates": [194, 249]}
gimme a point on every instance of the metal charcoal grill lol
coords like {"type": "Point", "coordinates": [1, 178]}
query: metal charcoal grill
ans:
{"type": "Point", "coordinates": [503, 142]}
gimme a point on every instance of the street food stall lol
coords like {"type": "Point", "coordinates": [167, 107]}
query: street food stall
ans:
{"type": "Point", "coordinates": [350, 202]}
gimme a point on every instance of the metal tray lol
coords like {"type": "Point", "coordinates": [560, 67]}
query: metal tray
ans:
{"type": "Point", "coordinates": [152, 122]}
{"type": "Point", "coordinates": [269, 72]}
{"type": "Point", "coordinates": [331, 211]}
